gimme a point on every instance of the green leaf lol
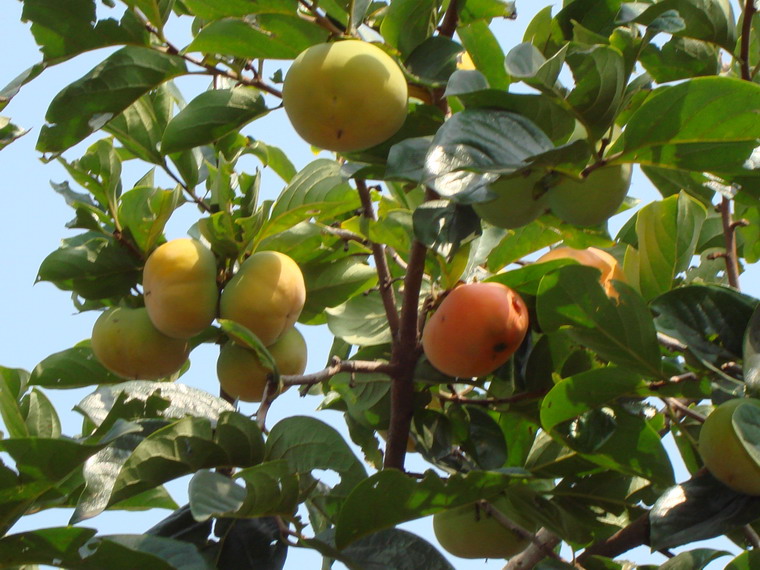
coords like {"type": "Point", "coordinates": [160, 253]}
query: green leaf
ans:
{"type": "Point", "coordinates": [594, 15]}
{"type": "Point", "coordinates": [308, 443]}
{"type": "Point", "coordinates": [390, 497]}
{"type": "Point", "coordinates": [90, 102]}
{"type": "Point", "coordinates": [621, 331]}
{"type": "Point", "coordinates": [212, 115]}
{"type": "Point", "coordinates": [145, 211]}
{"type": "Point", "coordinates": [751, 354]}
{"type": "Point", "coordinates": [214, 10]}
{"type": "Point", "coordinates": [680, 58]}
{"type": "Point", "coordinates": [745, 561]}
{"type": "Point", "coordinates": [486, 53]}
{"type": "Point", "coordinates": [707, 20]}
{"type": "Point", "coordinates": [475, 10]}
{"type": "Point", "coordinates": [181, 399]}
{"type": "Point", "coordinates": [706, 124]}
{"type": "Point", "coordinates": [475, 146]}
{"type": "Point", "coordinates": [577, 394]}
{"type": "Point", "coordinates": [407, 23]}
{"type": "Point", "coordinates": [44, 546]}
{"type": "Point", "coordinates": [241, 335]}
{"type": "Point", "coordinates": [434, 60]}
{"type": "Point", "coordinates": [63, 31]}
{"type": "Point", "coordinates": [41, 417]}
{"type": "Point", "coordinates": [709, 319]}
{"type": "Point", "coordinates": [667, 232]}
{"type": "Point", "coordinates": [445, 226]}
{"type": "Point", "coordinates": [72, 368]}
{"type": "Point", "coordinates": [140, 126]}
{"type": "Point", "coordinates": [46, 459]}
{"type": "Point", "coordinates": [333, 283]}
{"type": "Point", "coordinates": [93, 265]}
{"type": "Point", "coordinates": [13, 382]}
{"type": "Point", "coordinates": [275, 36]}
{"type": "Point", "coordinates": [9, 132]}
{"type": "Point", "coordinates": [361, 320]}
{"type": "Point", "coordinates": [599, 73]}
{"type": "Point", "coordinates": [127, 551]}
{"type": "Point", "coordinates": [186, 446]}
{"type": "Point", "coordinates": [698, 509]}
{"type": "Point", "coordinates": [391, 548]}
{"type": "Point", "coordinates": [274, 158]}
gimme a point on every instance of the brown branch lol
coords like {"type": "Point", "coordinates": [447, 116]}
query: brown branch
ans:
{"type": "Point", "coordinates": [336, 367]}
{"type": "Point", "coordinates": [749, 13]}
{"type": "Point", "coordinates": [684, 409]}
{"type": "Point", "coordinates": [729, 236]}
{"type": "Point", "coordinates": [381, 263]}
{"type": "Point", "coordinates": [544, 541]}
{"type": "Point", "coordinates": [195, 199]}
{"type": "Point", "coordinates": [751, 536]}
{"type": "Point", "coordinates": [686, 377]}
{"type": "Point", "coordinates": [405, 354]}
{"type": "Point", "coordinates": [456, 398]}
{"type": "Point", "coordinates": [633, 535]}
{"type": "Point", "coordinates": [450, 20]}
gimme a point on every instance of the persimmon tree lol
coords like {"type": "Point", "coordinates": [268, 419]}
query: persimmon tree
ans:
{"type": "Point", "coordinates": [569, 431]}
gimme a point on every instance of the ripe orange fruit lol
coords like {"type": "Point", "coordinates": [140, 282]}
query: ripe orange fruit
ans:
{"type": "Point", "coordinates": [476, 329]}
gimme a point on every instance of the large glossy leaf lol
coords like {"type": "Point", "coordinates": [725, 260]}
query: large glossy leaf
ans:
{"type": "Point", "coordinates": [751, 353]}
{"type": "Point", "coordinates": [390, 497]}
{"type": "Point", "coordinates": [391, 548]}
{"type": "Point", "coordinates": [698, 509]}
{"type": "Point", "coordinates": [361, 320]}
{"type": "Point", "coordinates": [331, 284]}
{"type": "Point", "coordinates": [308, 443]}
{"type": "Point", "coordinates": [210, 116]}
{"type": "Point", "coordinates": [214, 9]}
{"type": "Point", "coordinates": [709, 319]}
{"type": "Point", "coordinates": [13, 382]}
{"type": "Point", "coordinates": [667, 232]}
{"type": "Point", "coordinates": [484, 49]}
{"type": "Point", "coordinates": [275, 36]}
{"type": "Point", "coordinates": [90, 102]}
{"type": "Point", "coordinates": [72, 368]}
{"type": "Point", "coordinates": [65, 30]}
{"type": "Point", "coordinates": [475, 146]}
{"type": "Point", "coordinates": [622, 332]}
{"type": "Point", "coordinates": [44, 546]}
{"type": "Point", "coordinates": [46, 459]}
{"type": "Point", "coordinates": [706, 124]}
{"type": "Point", "coordinates": [408, 23]}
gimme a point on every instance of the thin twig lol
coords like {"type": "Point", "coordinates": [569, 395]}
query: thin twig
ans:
{"type": "Point", "coordinates": [729, 236]}
{"type": "Point", "coordinates": [633, 535]}
{"type": "Point", "coordinates": [336, 367]}
{"type": "Point", "coordinates": [193, 196]}
{"type": "Point", "coordinates": [381, 263]}
{"type": "Point", "coordinates": [322, 20]}
{"type": "Point", "coordinates": [450, 20]}
{"type": "Point", "coordinates": [683, 409]}
{"type": "Point", "coordinates": [456, 398]}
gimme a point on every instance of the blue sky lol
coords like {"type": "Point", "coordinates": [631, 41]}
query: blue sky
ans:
{"type": "Point", "coordinates": [38, 319]}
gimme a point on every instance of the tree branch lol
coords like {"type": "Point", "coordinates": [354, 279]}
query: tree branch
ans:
{"type": "Point", "coordinates": [729, 236]}
{"type": "Point", "coordinates": [381, 263]}
{"type": "Point", "coordinates": [544, 541]}
{"type": "Point", "coordinates": [635, 534]}
{"type": "Point", "coordinates": [336, 367]}
{"type": "Point", "coordinates": [749, 13]}
{"type": "Point", "coordinates": [405, 354]}
{"type": "Point", "coordinates": [450, 20]}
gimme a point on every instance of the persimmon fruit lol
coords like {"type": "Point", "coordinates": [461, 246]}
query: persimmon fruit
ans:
{"type": "Point", "coordinates": [242, 375]}
{"type": "Point", "coordinates": [345, 96]}
{"type": "Point", "coordinates": [723, 452]}
{"type": "Point", "coordinates": [470, 531]}
{"type": "Point", "coordinates": [179, 285]}
{"type": "Point", "coordinates": [517, 202]}
{"type": "Point", "coordinates": [125, 341]}
{"type": "Point", "coordinates": [475, 329]}
{"type": "Point", "coordinates": [592, 257]}
{"type": "Point", "coordinates": [591, 201]}
{"type": "Point", "coordinates": [266, 295]}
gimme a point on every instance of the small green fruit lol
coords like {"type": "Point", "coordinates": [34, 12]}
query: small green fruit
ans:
{"type": "Point", "coordinates": [722, 451]}
{"type": "Point", "coordinates": [470, 532]}
{"type": "Point", "coordinates": [516, 204]}
{"type": "Point", "coordinates": [592, 201]}
{"type": "Point", "coordinates": [241, 374]}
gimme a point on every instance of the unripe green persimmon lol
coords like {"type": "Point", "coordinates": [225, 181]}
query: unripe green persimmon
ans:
{"type": "Point", "coordinates": [516, 204]}
{"type": "Point", "coordinates": [722, 451]}
{"type": "Point", "coordinates": [179, 283]}
{"type": "Point", "coordinates": [593, 200]}
{"type": "Point", "coordinates": [125, 341]}
{"type": "Point", "coordinates": [241, 374]}
{"type": "Point", "coordinates": [345, 96]}
{"type": "Point", "coordinates": [266, 295]}
{"type": "Point", "coordinates": [470, 531]}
